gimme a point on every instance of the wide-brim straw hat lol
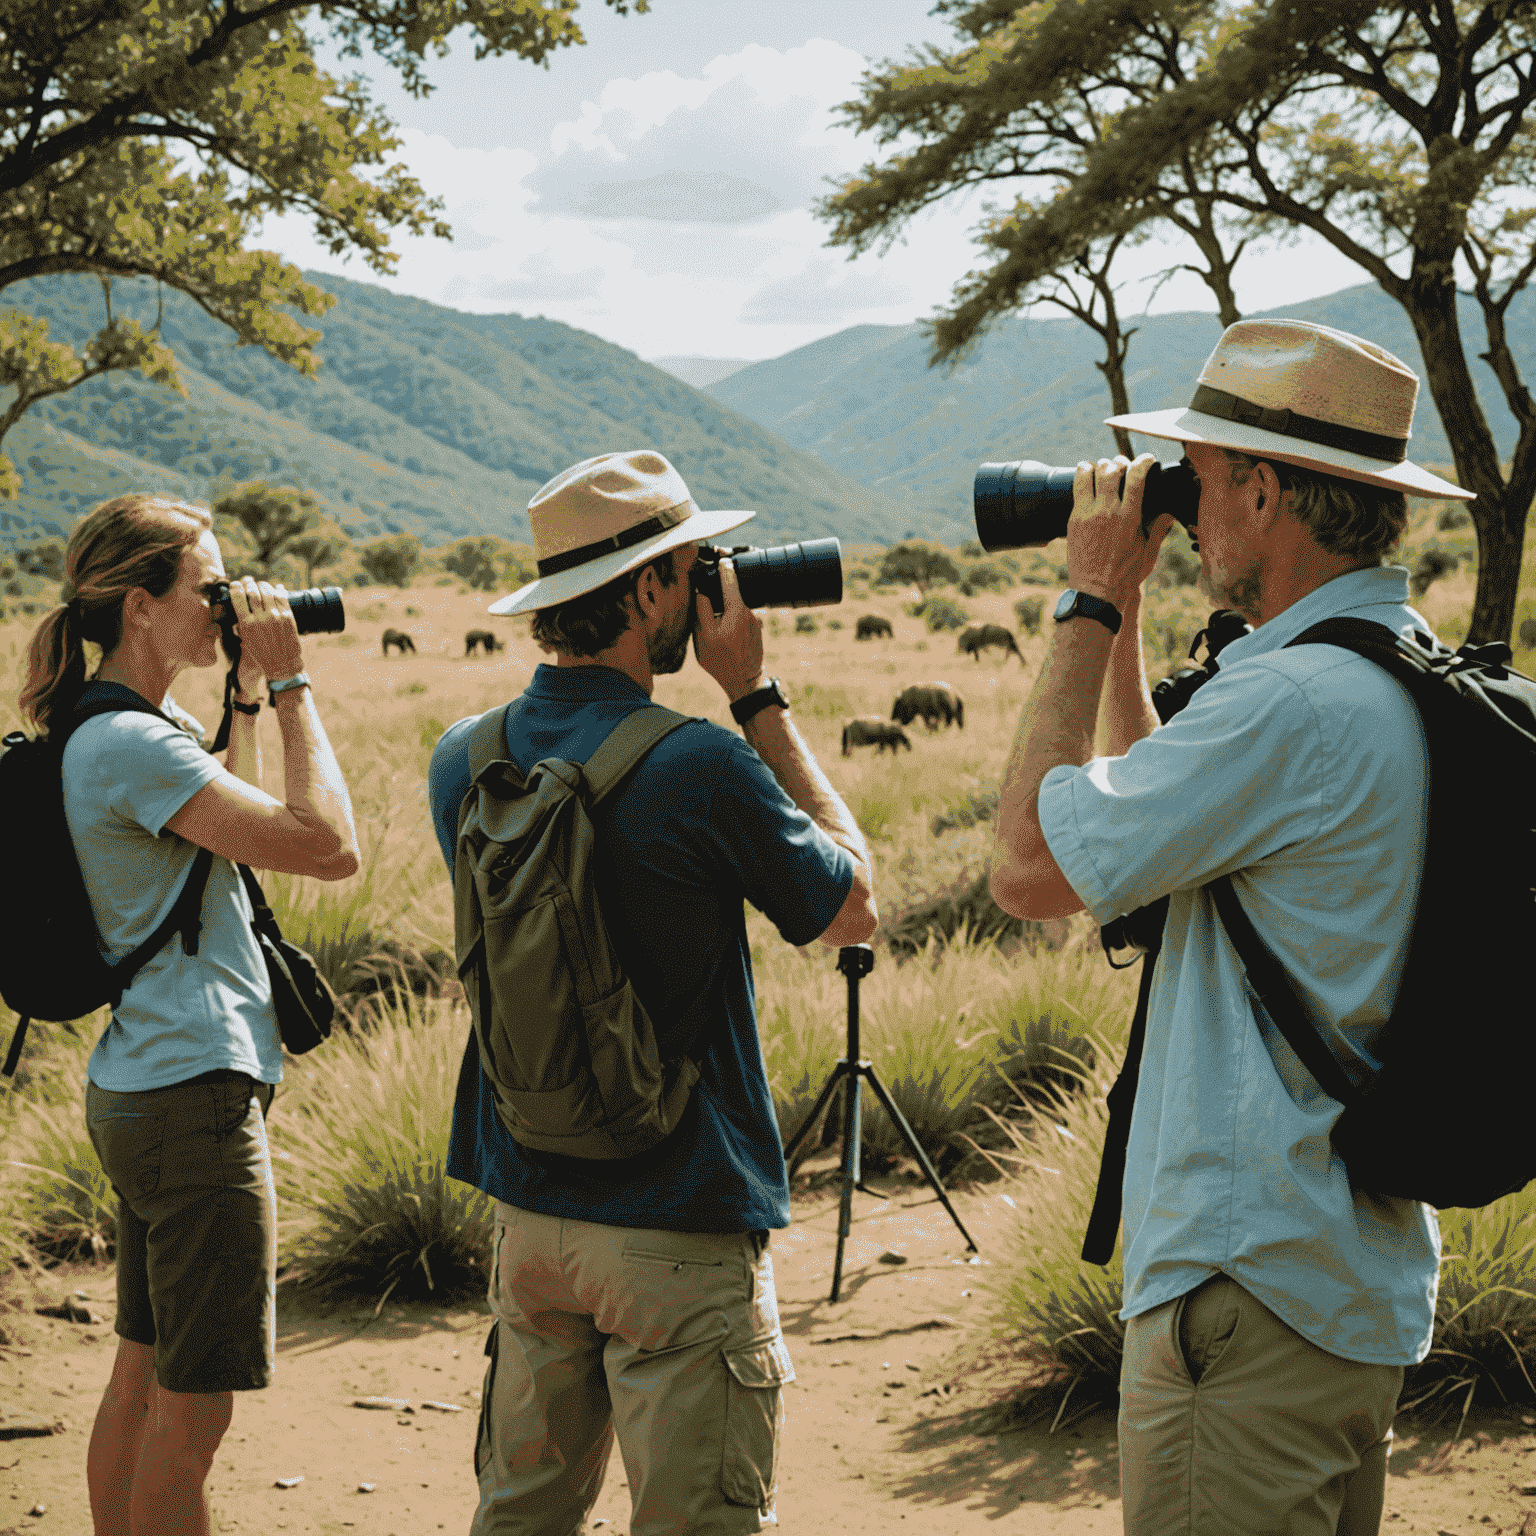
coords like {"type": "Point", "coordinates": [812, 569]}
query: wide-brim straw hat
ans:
{"type": "Point", "coordinates": [605, 516]}
{"type": "Point", "coordinates": [1307, 395]}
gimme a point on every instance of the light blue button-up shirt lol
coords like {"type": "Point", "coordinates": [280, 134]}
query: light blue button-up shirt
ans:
{"type": "Point", "coordinates": [1304, 774]}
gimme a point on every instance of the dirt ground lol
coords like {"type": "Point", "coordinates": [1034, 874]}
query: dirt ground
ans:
{"type": "Point", "coordinates": [884, 1428]}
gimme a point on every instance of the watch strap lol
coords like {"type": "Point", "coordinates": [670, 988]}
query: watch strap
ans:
{"type": "Point", "coordinates": [286, 685]}
{"type": "Point", "coordinates": [759, 699]}
{"type": "Point", "coordinates": [1074, 603]}
{"type": "Point", "coordinates": [253, 708]}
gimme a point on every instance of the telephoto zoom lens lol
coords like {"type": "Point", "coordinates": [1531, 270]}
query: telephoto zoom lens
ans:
{"type": "Point", "coordinates": [806, 575]}
{"type": "Point", "coordinates": [318, 611]}
{"type": "Point", "coordinates": [1026, 504]}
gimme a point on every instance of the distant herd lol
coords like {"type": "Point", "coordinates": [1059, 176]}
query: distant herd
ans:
{"type": "Point", "coordinates": [935, 704]}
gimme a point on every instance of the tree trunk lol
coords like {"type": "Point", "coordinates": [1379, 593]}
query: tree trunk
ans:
{"type": "Point", "coordinates": [1498, 513]}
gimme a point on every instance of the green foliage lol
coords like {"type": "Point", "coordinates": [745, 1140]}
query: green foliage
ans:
{"type": "Point", "coordinates": [805, 624]}
{"type": "Point", "coordinates": [977, 805]}
{"type": "Point", "coordinates": [1453, 515]}
{"type": "Point", "coordinates": [322, 544]}
{"type": "Point", "coordinates": [391, 561]}
{"type": "Point", "coordinates": [359, 1147]}
{"type": "Point", "coordinates": [45, 558]}
{"type": "Point", "coordinates": [941, 613]}
{"type": "Point", "coordinates": [156, 139]}
{"type": "Point", "coordinates": [1027, 610]}
{"type": "Point", "coordinates": [917, 563]}
{"type": "Point", "coordinates": [486, 564]}
{"type": "Point", "coordinates": [1434, 563]}
{"type": "Point", "coordinates": [985, 576]}
{"type": "Point", "coordinates": [272, 517]}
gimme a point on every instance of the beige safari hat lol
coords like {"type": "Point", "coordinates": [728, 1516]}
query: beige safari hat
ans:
{"type": "Point", "coordinates": [1308, 395]}
{"type": "Point", "coordinates": [605, 516]}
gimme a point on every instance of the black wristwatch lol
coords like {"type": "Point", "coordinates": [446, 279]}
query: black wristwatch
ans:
{"type": "Point", "coordinates": [1074, 602]}
{"type": "Point", "coordinates": [760, 698]}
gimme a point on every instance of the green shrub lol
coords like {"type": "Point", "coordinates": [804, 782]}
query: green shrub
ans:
{"type": "Point", "coordinates": [1453, 515]}
{"type": "Point", "coordinates": [978, 805]}
{"type": "Point", "coordinates": [943, 613]}
{"type": "Point", "coordinates": [1027, 610]}
{"type": "Point", "coordinates": [359, 1143]}
{"type": "Point", "coordinates": [805, 624]}
{"type": "Point", "coordinates": [1434, 563]}
{"type": "Point", "coordinates": [966, 908]}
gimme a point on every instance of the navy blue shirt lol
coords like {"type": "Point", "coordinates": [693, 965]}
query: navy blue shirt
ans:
{"type": "Point", "coordinates": [701, 826]}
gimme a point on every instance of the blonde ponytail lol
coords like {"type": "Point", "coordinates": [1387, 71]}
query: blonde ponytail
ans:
{"type": "Point", "coordinates": [132, 541]}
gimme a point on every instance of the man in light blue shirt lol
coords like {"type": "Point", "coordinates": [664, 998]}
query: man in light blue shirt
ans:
{"type": "Point", "coordinates": [1270, 1308]}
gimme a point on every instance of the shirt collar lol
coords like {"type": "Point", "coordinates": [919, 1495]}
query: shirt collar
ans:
{"type": "Point", "coordinates": [1383, 586]}
{"type": "Point", "coordinates": [583, 685]}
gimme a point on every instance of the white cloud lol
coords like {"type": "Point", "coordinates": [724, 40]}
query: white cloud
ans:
{"type": "Point", "coordinates": [672, 214]}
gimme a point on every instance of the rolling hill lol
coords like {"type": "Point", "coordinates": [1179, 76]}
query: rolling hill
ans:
{"type": "Point", "coordinates": [867, 403]}
{"type": "Point", "coordinates": [423, 419]}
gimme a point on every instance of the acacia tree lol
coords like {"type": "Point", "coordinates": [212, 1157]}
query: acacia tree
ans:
{"type": "Point", "coordinates": [1397, 133]}
{"type": "Point", "coordinates": [1025, 99]}
{"type": "Point", "coordinates": [272, 517]}
{"type": "Point", "coordinates": [151, 138]}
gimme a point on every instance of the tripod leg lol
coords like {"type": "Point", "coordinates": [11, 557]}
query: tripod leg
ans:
{"type": "Point", "coordinates": [852, 1121]}
{"type": "Point", "coordinates": [866, 1069]}
{"type": "Point", "coordinates": [827, 1090]}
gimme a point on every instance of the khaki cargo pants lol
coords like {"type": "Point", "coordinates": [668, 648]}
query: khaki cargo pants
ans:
{"type": "Point", "coordinates": [1232, 1424]}
{"type": "Point", "coordinates": [668, 1339]}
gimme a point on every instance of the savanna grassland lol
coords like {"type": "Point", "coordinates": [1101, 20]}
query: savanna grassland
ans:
{"type": "Point", "coordinates": [998, 1049]}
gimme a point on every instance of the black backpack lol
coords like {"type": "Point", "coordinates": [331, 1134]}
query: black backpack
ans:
{"type": "Point", "coordinates": [1446, 1119]}
{"type": "Point", "coordinates": [51, 964]}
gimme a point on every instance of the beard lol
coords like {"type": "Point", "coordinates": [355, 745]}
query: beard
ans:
{"type": "Point", "coordinates": [1238, 590]}
{"type": "Point", "coordinates": [668, 648]}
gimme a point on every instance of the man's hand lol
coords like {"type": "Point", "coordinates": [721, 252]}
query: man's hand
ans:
{"type": "Point", "coordinates": [1108, 555]}
{"type": "Point", "coordinates": [729, 648]}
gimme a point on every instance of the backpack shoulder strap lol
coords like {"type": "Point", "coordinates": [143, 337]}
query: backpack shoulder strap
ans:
{"type": "Point", "coordinates": [1273, 986]}
{"type": "Point", "coordinates": [626, 744]}
{"type": "Point", "coordinates": [488, 743]}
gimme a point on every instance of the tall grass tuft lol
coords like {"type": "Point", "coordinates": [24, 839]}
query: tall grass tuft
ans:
{"type": "Point", "coordinates": [1048, 1311]}
{"type": "Point", "coordinates": [56, 1201]}
{"type": "Point", "coordinates": [1484, 1347]}
{"type": "Point", "coordinates": [359, 1144]}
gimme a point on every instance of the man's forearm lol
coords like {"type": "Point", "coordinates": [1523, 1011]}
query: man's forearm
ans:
{"type": "Point", "coordinates": [774, 737]}
{"type": "Point", "coordinates": [1127, 701]}
{"type": "Point", "coordinates": [1056, 728]}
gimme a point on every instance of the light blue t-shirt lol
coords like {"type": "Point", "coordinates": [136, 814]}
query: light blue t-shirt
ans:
{"type": "Point", "coordinates": [125, 776]}
{"type": "Point", "coordinates": [1304, 774]}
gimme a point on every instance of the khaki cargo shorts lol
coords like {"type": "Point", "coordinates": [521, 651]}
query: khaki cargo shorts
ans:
{"type": "Point", "coordinates": [196, 1226]}
{"type": "Point", "coordinates": [668, 1340]}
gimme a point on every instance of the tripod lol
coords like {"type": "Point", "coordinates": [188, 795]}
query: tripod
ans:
{"type": "Point", "coordinates": [856, 961]}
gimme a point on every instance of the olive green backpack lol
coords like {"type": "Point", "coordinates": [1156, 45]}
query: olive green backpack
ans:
{"type": "Point", "coordinates": [568, 1048]}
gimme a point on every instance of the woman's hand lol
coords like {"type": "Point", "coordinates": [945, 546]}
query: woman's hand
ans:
{"type": "Point", "coordinates": [269, 639]}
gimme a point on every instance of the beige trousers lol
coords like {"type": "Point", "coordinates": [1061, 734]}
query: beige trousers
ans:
{"type": "Point", "coordinates": [671, 1340]}
{"type": "Point", "coordinates": [1232, 1424]}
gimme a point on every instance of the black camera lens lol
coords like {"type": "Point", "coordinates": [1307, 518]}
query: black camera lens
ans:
{"type": "Point", "coordinates": [1025, 504]}
{"type": "Point", "coordinates": [316, 610]}
{"type": "Point", "coordinates": [805, 575]}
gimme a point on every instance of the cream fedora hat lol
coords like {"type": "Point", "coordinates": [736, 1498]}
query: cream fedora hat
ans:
{"type": "Point", "coordinates": [605, 516]}
{"type": "Point", "coordinates": [1307, 395]}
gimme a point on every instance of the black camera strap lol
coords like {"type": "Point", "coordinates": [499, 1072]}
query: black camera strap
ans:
{"type": "Point", "coordinates": [221, 737]}
{"type": "Point", "coordinates": [1104, 1222]}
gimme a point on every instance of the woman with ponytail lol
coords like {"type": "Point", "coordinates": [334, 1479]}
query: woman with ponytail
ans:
{"type": "Point", "coordinates": [180, 1082]}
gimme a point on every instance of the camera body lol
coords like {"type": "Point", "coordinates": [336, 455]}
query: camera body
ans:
{"type": "Point", "coordinates": [317, 610]}
{"type": "Point", "coordinates": [1025, 504]}
{"type": "Point", "coordinates": [805, 575]}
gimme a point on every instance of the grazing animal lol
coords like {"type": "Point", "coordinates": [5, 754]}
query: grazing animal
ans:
{"type": "Point", "coordinates": [978, 637]}
{"type": "Point", "coordinates": [935, 702]}
{"type": "Point", "coordinates": [871, 729]}
{"type": "Point", "coordinates": [482, 637]}
{"type": "Point", "coordinates": [870, 625]}
{"type": "Point", "coordinates": [399, 639]}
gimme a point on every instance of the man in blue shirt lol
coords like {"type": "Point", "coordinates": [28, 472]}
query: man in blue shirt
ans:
{"type": "Point", "coordinates": [1270, 1308]}
{"type": "Point", "coordinates": [638, 1296]}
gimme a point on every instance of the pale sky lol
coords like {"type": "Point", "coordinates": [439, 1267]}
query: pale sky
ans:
{"type": "Point", "coordinates": [654, 187]}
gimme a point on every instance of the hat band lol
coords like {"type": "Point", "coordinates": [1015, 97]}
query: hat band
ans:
{"type": "Point", "coordinates": [1327, 434]}
{"type": "Point", "coordinates": [571, 558]}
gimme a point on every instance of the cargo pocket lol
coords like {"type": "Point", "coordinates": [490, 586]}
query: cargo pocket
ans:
{"type": "Point", "coordinates": [487, 1387]}
{"type": "Point", "coordinates": [754, 1415]}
